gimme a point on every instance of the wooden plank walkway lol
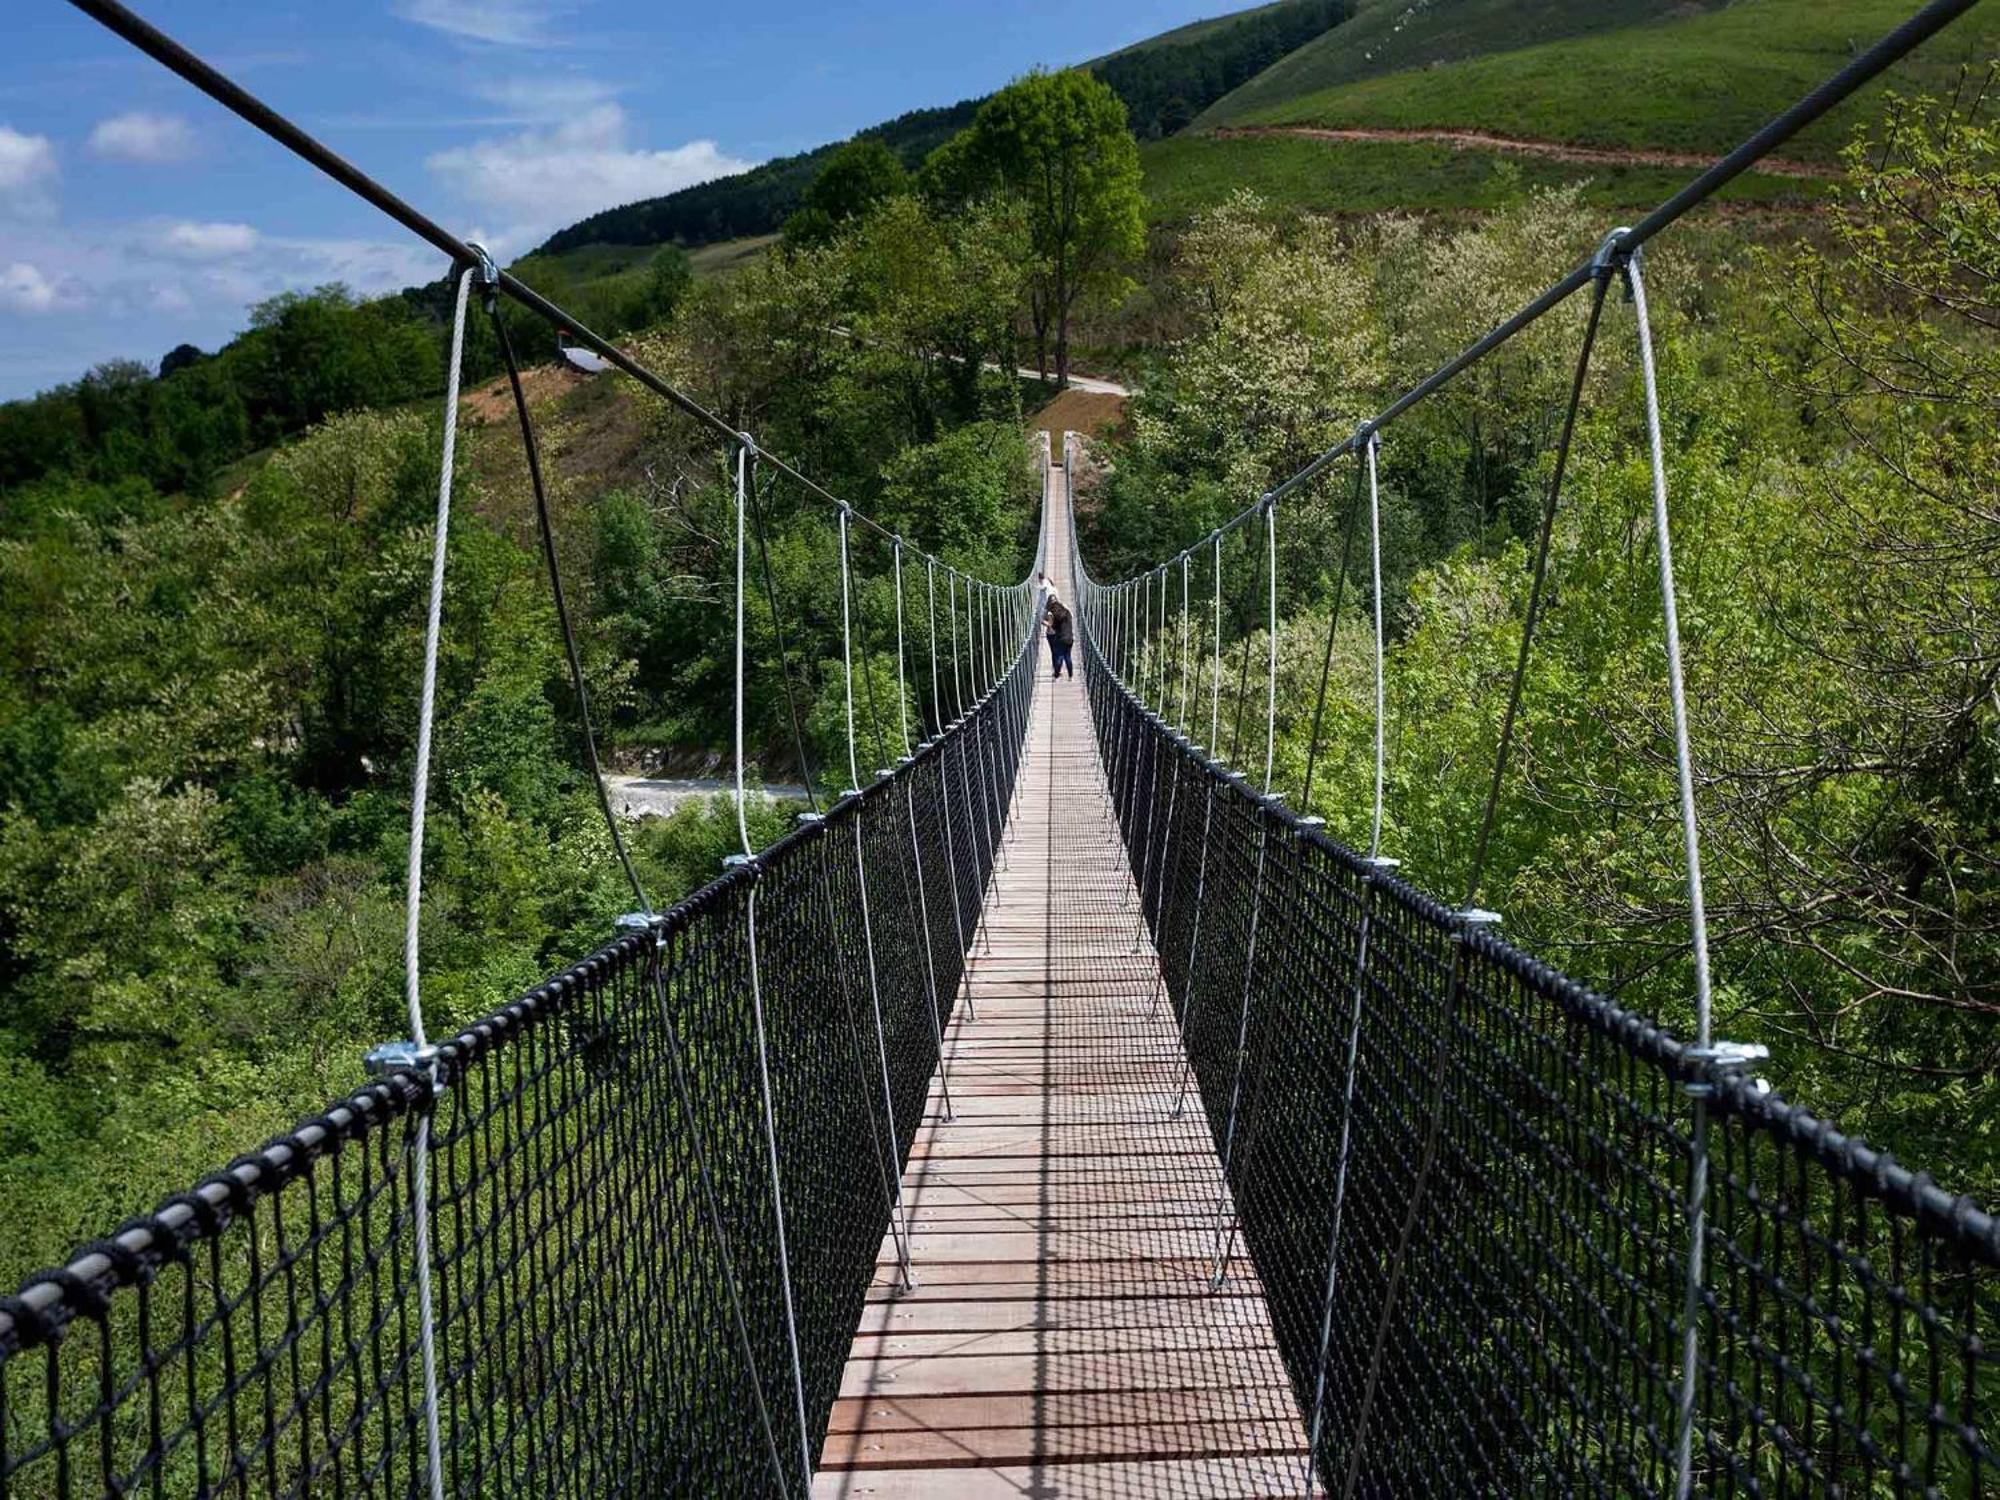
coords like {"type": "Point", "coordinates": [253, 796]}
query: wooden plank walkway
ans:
{"type": "Point", "coordinates": [1063, 1340]}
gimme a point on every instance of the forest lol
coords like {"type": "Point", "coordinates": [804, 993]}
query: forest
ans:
{"type": "Point", "coordinates": [214, 585]}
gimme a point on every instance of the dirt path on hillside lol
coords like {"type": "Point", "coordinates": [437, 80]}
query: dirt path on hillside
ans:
{"type": "Point", "coordinates": [1482, 140]}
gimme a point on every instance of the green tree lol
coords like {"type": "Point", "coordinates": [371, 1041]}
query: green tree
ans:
{"type": "Point", "coordinates": [857, 177]}
{"type": "Point", "coordinates": [1060, 142]}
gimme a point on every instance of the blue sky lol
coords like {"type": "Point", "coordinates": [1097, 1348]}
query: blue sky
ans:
{"type": "Point", "coordinates": [135, 215]}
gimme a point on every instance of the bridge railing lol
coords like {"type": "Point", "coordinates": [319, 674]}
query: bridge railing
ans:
{"type": "Point", "coordinates": [1505, 1319]}
{"type": "Point", "coordinates": [600, 1204]}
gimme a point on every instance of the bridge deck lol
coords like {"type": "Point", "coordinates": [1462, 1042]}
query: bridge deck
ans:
{"type": "Point", "coordinates": [1063, 1339]}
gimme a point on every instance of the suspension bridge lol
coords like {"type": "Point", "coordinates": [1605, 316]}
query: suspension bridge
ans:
{"type": "Point", "coordinates": [1059, 1111]}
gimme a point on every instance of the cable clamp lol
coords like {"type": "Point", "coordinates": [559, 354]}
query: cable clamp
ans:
{"type": "Point", "coordinates": [1471, 919]}
{"type": "Point", "coordinates": [1381, 864]}
{"type": "Point", "coordinates": [810, 819]}
{"type": "Point", "coordinates": [1725, 1058]}
{"type": "Point", "coordinates": [1612, 255]}
{"type": "Point", "coordinates": [744, 861]}
{"type": "Point", "coordinates": [402, 1056]}
{"type": "Point", "coordinates": [749, 444]}
{"type": "Point", "coordinates": [488, 273]}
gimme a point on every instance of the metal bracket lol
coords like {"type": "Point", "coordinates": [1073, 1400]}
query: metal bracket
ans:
{"type": "Point", "coordinates": [1724, 1057]}
{"type": "Point", "coordinates": [403, 1056]}
{"type": "Point", "coordinates": [635, 921]}
{"type": "Point", "coordinates": [1475, 919]}
{"type": "Point", "coordinates": [1611, 257]}
{"type": "Point", "coordinates": [1381, 864]}
{"type": "Point", "coordinates": [488, 274]}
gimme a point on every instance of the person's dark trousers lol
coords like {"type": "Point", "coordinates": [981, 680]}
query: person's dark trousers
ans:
{"type": "Point", "coordinates": [1059, 656]}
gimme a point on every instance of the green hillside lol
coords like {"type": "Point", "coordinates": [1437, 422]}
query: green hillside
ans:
{"type": "Point", "coordinates": [1692, 80]}
{"type": "Point", "coordinates": [1191, 172]}
{"type": "Point", "coordinates": [1389, 36]}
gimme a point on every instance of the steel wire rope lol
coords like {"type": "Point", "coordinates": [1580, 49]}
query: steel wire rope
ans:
{"type": "Point", "coordinates": [545, 526]}
{"type": "Point", "coordinates": [1376, 866]}
{"type": "Point", "coordinates": [944, 787]}
{"type": "Point", "coordinates": [1225, 1203]}
{"type": "Point", "coordinates": [916, 852]}
{"type": "Point", "coordinates": [746, 447]}
{"type": "Point", "coordinates": [1697, 1197]}
{"type": "Point", "coordinates": [1332, 631]}
{"type": "Point", "coordinates": [784, 649]}
{"type": "Point", "coordinates": [860, 862]}
{"type": "Point", "coordinates": [1150, 795]}
{"type": "Point", "coordinates": [422, 1055]}
{"type": "Point", "coordinates": [1215, 766]}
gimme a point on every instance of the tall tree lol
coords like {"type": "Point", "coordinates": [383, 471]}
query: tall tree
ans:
{"type": "Point", "coordinates": [858, 176]}
{"type": "Point", "coordinates": [1060, 142]}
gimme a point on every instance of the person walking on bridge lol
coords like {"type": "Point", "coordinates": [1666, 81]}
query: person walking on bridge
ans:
{"type": "Point", "coordinates": [1061, 627]}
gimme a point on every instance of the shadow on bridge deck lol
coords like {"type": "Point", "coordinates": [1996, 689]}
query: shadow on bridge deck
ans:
{"type": "Point", "coordinates": [1063, 1339]}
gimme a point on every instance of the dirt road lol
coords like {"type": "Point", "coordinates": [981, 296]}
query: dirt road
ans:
{"type": "Point", "coordinates": [1482, 140]}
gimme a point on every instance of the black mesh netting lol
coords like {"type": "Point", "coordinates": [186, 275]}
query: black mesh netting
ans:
{"type": "Point", "coordinates": [259, 1334]}
{"type": "Point", "coordinates": [1503, 1310]}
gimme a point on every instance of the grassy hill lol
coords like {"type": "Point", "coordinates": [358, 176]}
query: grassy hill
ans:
{"type": "Point", "coordinates": [1629, 76]}
{"type": "Point", "coordinates": [1694, 79]}
{"type": "Point", "coordinates": [1390, 36]}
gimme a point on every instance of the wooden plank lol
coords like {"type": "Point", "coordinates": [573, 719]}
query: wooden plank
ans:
{"type": "Point", "coordinates": [1086, 1409]}
{"type": "Point", "coordinates": [1172, 1435]}
{"type": "Point", "coordinates": [1207, 1478]}
{"type": "Point", "coordinates": [1064, 1337]}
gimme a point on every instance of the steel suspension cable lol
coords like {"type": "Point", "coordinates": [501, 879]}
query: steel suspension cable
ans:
{"type": "Point", "coordinates": [546, 526]}
{"type": "Point", "coordinates": [784, 650]}
{"type": "Point", "coordinates": [1377, 867]}
{"type": "Point", "coordinates": [424, 1058]}
{"type": "Point", "coordinates": [916, 855]}
{"type": "Point", "coordinates": [1215, 763]}
{"type": "Point", "coordinates": [1225, 1209]}
{"type": "Point", "coordinates": [1332, 631]}
{"type": "Point", "coordinates": [1533, 614]}
{"type": "Point", "coordinates": [1697, 1199]}
{"type": "Point", "coordinates": [1374, 446]}
{"type": "Point", "coordinates": [944, 787]}
{"type": "Point", "coordinates": [745, 448]}
{"type": "Point", "coordinates": [861, 881]}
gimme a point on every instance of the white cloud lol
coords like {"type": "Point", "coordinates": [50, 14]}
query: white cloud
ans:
{"type": "Point", "coordinates": [192, 241]}
{"type": "Point", "coordinates": [142, 137]}
{"type": "Point", "coordinates": [544, 96]}
{"type": "Point", "coordinates": [505, 23]}
{"type": "Point", "coordinates": [27, 172]}
{"type": "Point", "coordinates": [541, 179]}
{"type": "Point", "coordinates": [24, 289]}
